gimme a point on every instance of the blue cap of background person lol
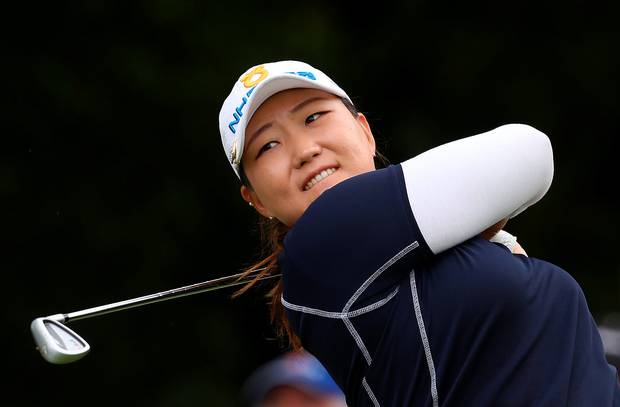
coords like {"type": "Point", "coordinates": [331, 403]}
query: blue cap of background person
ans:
{"type": "Point", "coordinates": [296, 369]}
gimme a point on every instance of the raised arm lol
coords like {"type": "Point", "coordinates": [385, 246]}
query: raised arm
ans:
{"type": "Point", "coordinates": [461, 188]}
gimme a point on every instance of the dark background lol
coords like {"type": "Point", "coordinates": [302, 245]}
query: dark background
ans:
{"type": "Point", "coordinates": [115, 185]}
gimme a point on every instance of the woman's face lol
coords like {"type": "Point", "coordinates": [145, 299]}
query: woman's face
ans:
{"type": "Point", "coordinates": [299, 143]}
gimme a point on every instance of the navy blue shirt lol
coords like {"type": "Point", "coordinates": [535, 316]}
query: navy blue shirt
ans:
{"type": "Point", "coordinates": [396, 325]}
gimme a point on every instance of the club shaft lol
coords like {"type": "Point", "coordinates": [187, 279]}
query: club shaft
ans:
{"type": "Point", "coordinates": [211, 285]}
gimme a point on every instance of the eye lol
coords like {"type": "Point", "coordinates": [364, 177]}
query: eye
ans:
{"type": "Point", "coordinates": [313, 117]}
{"type": "Point", "coordinates": [266, 147]}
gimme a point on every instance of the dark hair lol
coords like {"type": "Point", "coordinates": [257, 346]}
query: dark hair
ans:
{"type": "Point", "coordinates": [272, 234]}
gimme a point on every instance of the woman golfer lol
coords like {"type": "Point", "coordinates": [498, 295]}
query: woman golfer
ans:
{"type": "Point", "coordinates": [386, 276]}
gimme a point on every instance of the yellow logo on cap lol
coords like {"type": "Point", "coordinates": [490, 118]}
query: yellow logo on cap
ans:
{"type": "Point", "coordinates": [249, 80]}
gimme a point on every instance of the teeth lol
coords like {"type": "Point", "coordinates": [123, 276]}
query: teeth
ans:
{"type": "Point", "coordinates": [319, 177]}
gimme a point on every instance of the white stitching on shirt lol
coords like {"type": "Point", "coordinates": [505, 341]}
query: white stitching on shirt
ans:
{"type": "Point", "coordinates": [339, 315]}
{"type": "Point", "coordinates": [358, 340]}
{"type": "Point", "coordinates": [370, 393]}
{"type": "Point", "coordinates": [345, 314]}
{"type": "Point", "coordinates": [345, 318]}
{"type": "Point", "coordinates": [356, 335]}
{"type": "Point", "coordinates": [427, 347]}
{"type": "Point", "coordinates": [363, 287]}
{"type": "Point", "coordinates": [372, 307]}
{"type": "Point", "coordinates": [377, 273]}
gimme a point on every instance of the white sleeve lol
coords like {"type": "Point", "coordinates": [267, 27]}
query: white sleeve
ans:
{"type": "Point", "coordinates": [459, 189]}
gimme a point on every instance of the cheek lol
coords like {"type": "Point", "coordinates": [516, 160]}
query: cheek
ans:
{"type": "Point", "coordinates": [357, 148]}
{"type": "Point", "coordinates": [267, 167]}
{"type": "Point", "coordinates": [270, 182]}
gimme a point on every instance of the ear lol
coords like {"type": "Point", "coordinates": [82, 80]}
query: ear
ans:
{"type": "Point", "coordinates": [251, 198]}
{"type": "Point", "coordinates": [363, 121]}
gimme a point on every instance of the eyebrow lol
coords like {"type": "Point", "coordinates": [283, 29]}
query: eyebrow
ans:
{"type": "Point", "coordinates": [295, 109]}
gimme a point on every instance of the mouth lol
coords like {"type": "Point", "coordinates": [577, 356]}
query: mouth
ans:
{"type": "Point", "coordinates": [320, 176]}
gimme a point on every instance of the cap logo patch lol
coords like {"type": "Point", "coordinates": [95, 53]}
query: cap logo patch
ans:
{"type": "Point", "coordinates": [248, 79]}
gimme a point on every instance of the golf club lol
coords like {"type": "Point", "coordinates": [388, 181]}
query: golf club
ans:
{"type": "Point", "coordinates": [60, 345]}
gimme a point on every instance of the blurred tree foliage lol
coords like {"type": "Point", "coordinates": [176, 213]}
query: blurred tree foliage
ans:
{"type": "Point", "coordinates": [115, 185]}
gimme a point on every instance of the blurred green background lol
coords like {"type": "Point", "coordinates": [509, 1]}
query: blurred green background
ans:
{"type": "Point", "coordinates": [114, 183]}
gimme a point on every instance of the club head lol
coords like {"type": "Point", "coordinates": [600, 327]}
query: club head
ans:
{"type": "Point", "coordinates": [57, 343]}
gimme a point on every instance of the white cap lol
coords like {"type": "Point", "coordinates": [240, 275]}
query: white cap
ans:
{"type": "Point", "coordinates": [253, 88]}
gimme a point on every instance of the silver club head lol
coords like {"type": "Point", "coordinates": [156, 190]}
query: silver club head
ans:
{"type": "Point", "coordinates": [57, 343]}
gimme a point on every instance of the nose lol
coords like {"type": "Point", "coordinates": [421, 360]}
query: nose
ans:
{"type": "Point", "coordinates": [306, 150]}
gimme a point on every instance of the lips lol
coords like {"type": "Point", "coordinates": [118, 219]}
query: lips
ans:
{"type": "Point", "coordinates": [318, 177]}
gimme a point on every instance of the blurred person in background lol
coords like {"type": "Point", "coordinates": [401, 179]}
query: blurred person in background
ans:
{"type": "Point", "coordinates": [295, 379]}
